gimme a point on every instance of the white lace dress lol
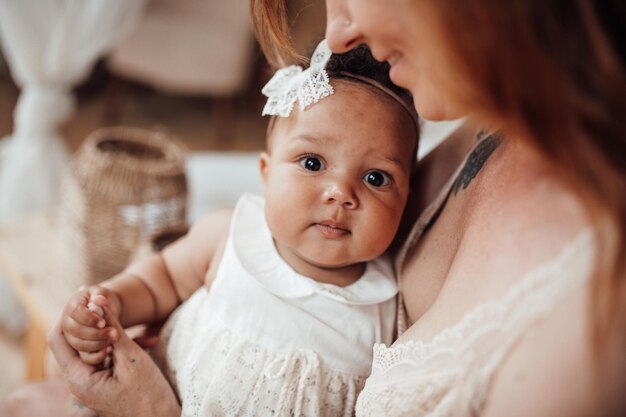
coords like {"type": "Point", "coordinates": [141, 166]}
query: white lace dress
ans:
{"type": "Point", "coordinates": [265, 341]}
{"type": "Point", "coordinates": [451, 374]}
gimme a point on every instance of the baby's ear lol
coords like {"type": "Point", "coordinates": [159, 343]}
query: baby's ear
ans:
{"type": "Point", "coordinates": [264, 162]}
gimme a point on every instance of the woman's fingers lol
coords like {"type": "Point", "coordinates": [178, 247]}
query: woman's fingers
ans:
{"type": "Point", "coordinates": [113, 392]}
{"type": "Point", "coordinates": [114, 323]}
{"type": "Point", "coordinates": [67, 358]}
{"type": "Point", "coordinates": [85, 381]}
{"type": "Point", "coordinates": [125, 351]}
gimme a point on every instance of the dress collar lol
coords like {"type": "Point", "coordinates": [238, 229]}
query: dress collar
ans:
{"type": "Point", "coordinates": [255, 250]}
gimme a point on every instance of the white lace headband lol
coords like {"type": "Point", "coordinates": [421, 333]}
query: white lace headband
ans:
{"type": "Point", "coordinates": [293, 83]}
{"type": "Point", "coordinates": [310, 85]}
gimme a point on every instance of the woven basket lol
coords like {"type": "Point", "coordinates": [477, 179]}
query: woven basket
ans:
{"type": "Point", "coordinates": [126, 186]}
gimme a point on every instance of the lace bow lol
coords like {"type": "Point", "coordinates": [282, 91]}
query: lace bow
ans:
{"type": "Point", "coordinates": [292, 83]}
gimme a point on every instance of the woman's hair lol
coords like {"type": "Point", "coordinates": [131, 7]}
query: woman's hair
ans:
{"type": "Point", "coordinates": [270, 22]}
{"type": "Point", "coordinates": [554, 72]}
{"type": "Point", "coordinates": [271, 25]}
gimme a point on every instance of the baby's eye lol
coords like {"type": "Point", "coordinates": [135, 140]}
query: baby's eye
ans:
{"type": "Point", "coordinates": [377, 178]}
{"type": "Point", "coordinates": [311, 163]}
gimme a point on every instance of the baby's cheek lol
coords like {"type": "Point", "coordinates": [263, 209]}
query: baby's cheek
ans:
{"type": "Point", "coordinates": [383, 228]}
{"type": "Point", "coordinates": [278, 221]}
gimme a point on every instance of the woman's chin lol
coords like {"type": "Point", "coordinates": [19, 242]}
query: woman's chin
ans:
{"type": "Point", "coordinates": [433, 114]}
{"type": "Point", "coordinates": [434, 110]}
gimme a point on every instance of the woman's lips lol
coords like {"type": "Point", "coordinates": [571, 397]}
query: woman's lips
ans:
{"type": "Point", "coordinates": [331, 231]}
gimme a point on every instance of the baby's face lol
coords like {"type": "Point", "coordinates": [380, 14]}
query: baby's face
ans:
{"type": "Point", "coordinates": [336, 178]}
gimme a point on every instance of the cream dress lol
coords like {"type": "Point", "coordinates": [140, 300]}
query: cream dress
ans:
{"type": "Point", "coordinates": [451, 374]}
{"type": "Point", "coordinates": [266, 341]}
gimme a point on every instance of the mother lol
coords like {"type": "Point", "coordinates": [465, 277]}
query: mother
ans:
{"type": "Point", "coordinates": [513, 280]}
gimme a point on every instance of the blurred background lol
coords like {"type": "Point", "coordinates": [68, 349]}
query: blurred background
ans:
{"type": "Point", "coordinates": [188, 68]}
{"type": "Point", "coordinates": [191, 68]}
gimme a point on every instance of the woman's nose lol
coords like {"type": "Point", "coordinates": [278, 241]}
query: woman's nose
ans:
{"type": "Point", "coordinates": [342, 194]}
{"type": "Point", "coordinates": [341, 32]}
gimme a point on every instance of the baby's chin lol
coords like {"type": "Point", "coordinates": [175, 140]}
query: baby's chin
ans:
{"type": "Point", "coordinates": [334, 266]}
{"type": "Point", "coordinates": [329, 259]}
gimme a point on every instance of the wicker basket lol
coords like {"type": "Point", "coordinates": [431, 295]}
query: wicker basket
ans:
{"type": "Point", "coordinates": [126, 186]}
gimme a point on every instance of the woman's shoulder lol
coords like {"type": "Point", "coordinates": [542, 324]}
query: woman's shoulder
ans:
{"type": "Point", "coordinates": [522, 214]}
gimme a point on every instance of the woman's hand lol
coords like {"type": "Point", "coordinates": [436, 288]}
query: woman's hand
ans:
{"type": "Point", "coordinates": [133, 386]}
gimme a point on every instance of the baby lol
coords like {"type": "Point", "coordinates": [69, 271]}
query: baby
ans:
{"type": "Point", "coordinates": [285, 295]}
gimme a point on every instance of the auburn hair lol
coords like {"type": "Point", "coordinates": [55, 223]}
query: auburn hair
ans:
{"type": "Point", "coordinates": [554, 71]}
{"type": "Point", "coordinates": [271, 25]}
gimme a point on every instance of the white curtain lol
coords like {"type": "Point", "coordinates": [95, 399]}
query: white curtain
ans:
{"type": "Point", "coordinates": [49, 46]}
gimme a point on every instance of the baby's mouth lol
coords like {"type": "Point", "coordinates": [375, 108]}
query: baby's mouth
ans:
{"type": "Point", "coordinates": [332, 230]}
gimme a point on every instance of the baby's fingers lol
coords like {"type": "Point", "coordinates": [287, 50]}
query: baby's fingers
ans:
{"type": "Point", "coordinates": [73, 328]}
{"type": "Point", "coordinates": [77, 308]}
{"type": "Point", "coordinates": [95, 358]}
{"type": "Point", "coordinates": [82, 345]}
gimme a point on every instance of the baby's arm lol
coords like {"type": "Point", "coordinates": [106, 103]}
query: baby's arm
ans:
{"type": "Point", "coordinates": [148, 290]}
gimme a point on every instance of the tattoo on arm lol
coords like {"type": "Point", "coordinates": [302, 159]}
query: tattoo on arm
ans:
{"type": "Point", "coordinates": [476, 160]}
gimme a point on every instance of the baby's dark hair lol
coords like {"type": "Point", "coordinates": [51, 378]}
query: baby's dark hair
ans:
{"type": "Point", "coordinates": [360, 62]}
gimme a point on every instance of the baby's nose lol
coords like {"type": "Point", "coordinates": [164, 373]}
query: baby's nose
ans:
{"type": "Point", "coordinates": [341, 193]}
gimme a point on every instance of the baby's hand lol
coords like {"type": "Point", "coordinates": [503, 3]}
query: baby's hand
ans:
{"type": "Point", "coordinates": [84, 324]}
